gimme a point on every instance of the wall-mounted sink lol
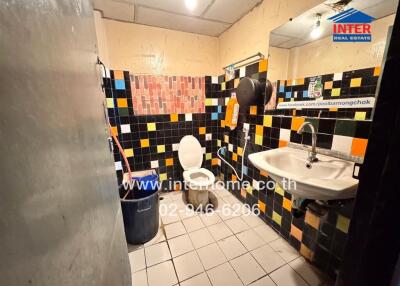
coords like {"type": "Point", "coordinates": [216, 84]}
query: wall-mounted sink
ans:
{"type": "Point", "coordinates": [327, 179]}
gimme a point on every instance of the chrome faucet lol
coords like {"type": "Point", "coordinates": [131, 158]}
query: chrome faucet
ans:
{"type": "Point", "coordinates": [312, 155]}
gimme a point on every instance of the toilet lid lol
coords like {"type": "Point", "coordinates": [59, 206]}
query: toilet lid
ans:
{"type": "Point", "coordinates": [190, 153]}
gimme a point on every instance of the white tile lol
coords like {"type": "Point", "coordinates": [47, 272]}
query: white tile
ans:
{"type": "Point", "coordinates": [118, 166]}
{"type": "Point", "coordinates": [242, 72]}
{"type": "Point", "coordinates": [174, 229]}
{"type": "Point", "coordinates": [338, 76]}
{"type": "Point", "coordinates": [266, 233]}
{"type": "Point", "coordinates": [250, 239]}
{"type": "Point", "coordinates": [284, 249]}
{"type": "Point", "coordinates": [201, 237]}
{"type": "Point", "coordinates": [312, 275]}
{"type": "Point", "coordinates": [214, 79]}
{"type": "Point", "coordinates": [160, 237]}
{"type": "Point", "coordinates": [180, 245]}
{"type": "Point", "coordinates": [137, 260]}
{"type": "Point", "coordinates": [236, 224]}
{"type": "Point", "coordinates": [162, 274]}
{"type": "Point", "coordinates": [187, 265]}
{"type": "Point", "coordinates": [139, 278]}
{"type": "Point", "coordinates": [157, 253]}
{"type": "Point", "coordinates": [265, 281]}
{"type": "Point", "coordinates": [268, 258]}
{"type": "Point", "coordinates": [193, 223]}
{"type": "Point", "coordinates": [210, 218]}
{"type": "Point", "coordinates": [247, 268]}
{"type": "Point", "coordinates": [208, 136]}
{"type": "Point", "coordinates": [342, 143]}
{"type": "Point", "coordinates": [211, 256]}
{"type": "Point", "coordinates": [188, 117]}
{"type": "Point", "coordinates": [286, 276]}
{"type": "Point", "coordinates": [231, 247]}
{"type": "Point", "coordinates": [252, 220]}
{"type": "Point", "coordinates": [256, 185]}
{"type": "Point", "coordinates": [169, 218]}
{"type": "Point", "coordinates": [220, 231]}
{"type": "Point", "coordinates": [125, 128]}
{"type": "Point", "coordinates": [224, 275]}
{"type": "Point", "coordinates": [284, 134]}
{"type": "Point", "coordinates": [199, 280]}
{"type": "Point", "coordinates": [154, 164]}
{"type": "Point", "coordinates": [175, 147]}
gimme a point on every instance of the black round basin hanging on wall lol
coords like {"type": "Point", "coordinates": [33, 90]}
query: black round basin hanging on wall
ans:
{"type": "Point", "coordinates": [252, 92]}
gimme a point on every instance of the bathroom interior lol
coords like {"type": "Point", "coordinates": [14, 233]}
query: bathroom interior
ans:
{"type": "Point", "coordinates": [271, 143]}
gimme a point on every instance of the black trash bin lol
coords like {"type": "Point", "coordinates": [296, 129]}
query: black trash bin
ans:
{"type": "Point", "coordinates": [140, 211]}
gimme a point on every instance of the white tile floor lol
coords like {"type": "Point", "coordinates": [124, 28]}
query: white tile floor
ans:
{"type": "Point", "coordinates": [221, 249]}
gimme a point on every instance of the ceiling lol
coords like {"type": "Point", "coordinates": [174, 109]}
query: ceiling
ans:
{"type": "Point", "coordinates": [296, 33]}
{"type": "Point", "coordinates": [210, 17]}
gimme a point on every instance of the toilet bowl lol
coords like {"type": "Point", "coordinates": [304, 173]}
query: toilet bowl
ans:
{"type": "Point", "coordinates": [198, 180]}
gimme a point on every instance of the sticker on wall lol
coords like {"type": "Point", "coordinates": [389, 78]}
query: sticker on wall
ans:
{"type": "Point", "coordinates": [365, 102]}
{"type": "Point", "coordinates": [229, 73]}
{"type": "Point", "coordinates": [315, 87]}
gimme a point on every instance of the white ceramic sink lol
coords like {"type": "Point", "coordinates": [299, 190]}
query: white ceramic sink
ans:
{"type": "Point", "coordinates": [327, 179]}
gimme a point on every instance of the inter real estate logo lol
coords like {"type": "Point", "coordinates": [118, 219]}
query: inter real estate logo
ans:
{"type": "Point", "coordinates": [352, 26]}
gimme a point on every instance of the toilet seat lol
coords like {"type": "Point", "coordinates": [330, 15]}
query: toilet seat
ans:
{"type": "Point", "coordinates": [190, 156]}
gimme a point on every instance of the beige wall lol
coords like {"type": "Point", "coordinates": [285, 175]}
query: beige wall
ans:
{"type": "Point", "coordinates": [278, 63]}
{"type": "Point", "coordinates": [150, 50]}
{"type": "Point", "coordinates": [251, 33]}
{"type": "Point", "coordinates": [101, 38]}
{"type": "Point", "coordinates": [325, 56]}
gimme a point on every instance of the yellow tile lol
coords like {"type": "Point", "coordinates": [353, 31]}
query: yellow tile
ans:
{"type": "Point", "coordinates": [296, 123]}
{"type": "Point", "coordinates": [267, 121]}
{"type": "Point", "coordinates": [160, 148]}
{"type": "Point", "coordinates": [118, 74]}
{"type": "Point", "coordinates": [174, 117]}
{"type": "Point", "coordinates": [169, 162]}
{"type": "Point", "coordinates": [202, 130]}
{"type": "Point", "coordinates": [342, 223]}
{"type": "Point", "coordinates": [253, 110]}
{"type": "Point", "coordinates": [122, 102]}
{"type": "Point", "coordinates": [236, 82]}
{"type": "Point", "coordinates": [259, 130]}
{"type": "Point", "coordinates": [355, 82]}
{"type": "Point", "coordinates": [261, 206]}
{"type": "Point", "coordinates": [287, 204]}
{"type": "Point", "coordinates": [163, 177]}
{"type": "Point", "coordinates": [234, 157]}
{"type": "Point", "coordinates": [223, 86]}
{"type": "Point", "coordinates": [294, 112]}
{"type": "Point", "coordinates": [279, 190]}
{"type": "Point", "coordinates": [240, 151]}
{"type": "Point", "coordinates": [262, 65]}
{"type": "Point", "coordinates": [151, 127]}
{"type": "Point", "coordinates": [110, 102]}
{"type": "Point", "coordinates": [114, 130]}
{"type": "Point", "coordinates": [335, 91]}
{"type": "Point", "coordinates": [144, 143]}
{"type": "Point", "coordinates": [226, 138]}
{"type": "Point", "coordinates": [328, 85]}
{"type": "Point", "coordinates": [312, 220]}
{"type": "Point", "coordinates": [280, 100]}
{"type": "Point", "coordinates": [249, 190]}
{"type": "Point", "coordinates": [296, 232]}
{"type": "Point", "coordinates": [299, 81]}
{"type": "Point", "coordinates": [258, 139]}
{"type": "Point", "coordinates": [208, 102]}
{"type": "Point", "coordinates": [277, 218]}
{"type": "Point", "coordinates": [208, 156]}
{"type": "Point", "coordinates": [128, 152]}
{"type": "Point", "coordinates": [360, 115]}
{"type": "Point", "coordinates": [377, 71]}
{"type": "Point", "coordinates": [218, 142]}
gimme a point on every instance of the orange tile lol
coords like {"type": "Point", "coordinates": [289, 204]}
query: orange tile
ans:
{"type": "Point", "coordinates": [282, 143]}
{"type": "Point", "coordinates": [359, 146]}
{"type": "Point", "coordinates": [262, 66]}
{"type": "Point", "coordinates": [222, 123]}
{"type": "Point", "coordinates": [306, 252]}
{"type": "Point", "coordinates": [202, 130]}
{"type": "Point", "coordinates": [234, 157]}
{"type": "Point", "coordinates": [287, 204]}
{"type": "Point", "coordinates": [261, 206]}
{"type": "Point", "coordinates": [289, 82]}
{"type": "Point", "coordinates": [328, 85]}
{"type": "Point", "coordinates": [234, 178]}
{"type": "Point", "coordinates": [169, 162]}
{"type": "Point", "coordinates": [144, 143]}
{"type": "Point", "coordinates": [114, 130]}
{"type": "Point", "coordinates": [122, 102]}
{"type": "Point", "coordinates": [296, 122]}
{"type": "Point", "coordinates": [333, 109]}
{"type": "Point", "coordinates": [259, 130]}
{"type": "Point", "coordinates": [312, 220]}
{"type": "Point", "coordinates": [118, 74]}
{"type": "Point", "coordinates": [294, 112]}
{"type": "Point", "coordinates": [296, 232]}
{"type": "Point", "coordinates": [264, 173]}
{"type": "Point", "coordinates": [253, 110]}
{"type": "Point", "coordinates": [299, 81]}
{"type": "Point", "coordinates": [243, 192]}
{"type": "Point", "coordinates": [174, 117]}
{"type": "Point", "coordinates": [377, 71]}
{"type": "Point", "coordinates": [214, 161]}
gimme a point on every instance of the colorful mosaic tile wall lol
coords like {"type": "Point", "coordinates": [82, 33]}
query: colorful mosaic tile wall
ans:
{"type": "Point", "coordinates": [319, 239]}
{"type": "Point", "coordinates": [151, 141]}
{"type": "Point", "coordinates": [156, 94]}
{"type": "Point", "coordinates": [349, 84]}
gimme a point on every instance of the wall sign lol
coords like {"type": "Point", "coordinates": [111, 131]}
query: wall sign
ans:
{"type": "Point", "coordinates": [365, 102]}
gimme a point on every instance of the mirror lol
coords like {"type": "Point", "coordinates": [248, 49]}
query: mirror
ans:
{"type": "Point", "coordinates": [326, 62]}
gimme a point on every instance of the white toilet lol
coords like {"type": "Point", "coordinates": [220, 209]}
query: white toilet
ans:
{"type": "Point", "coordinates": [199, 180]}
